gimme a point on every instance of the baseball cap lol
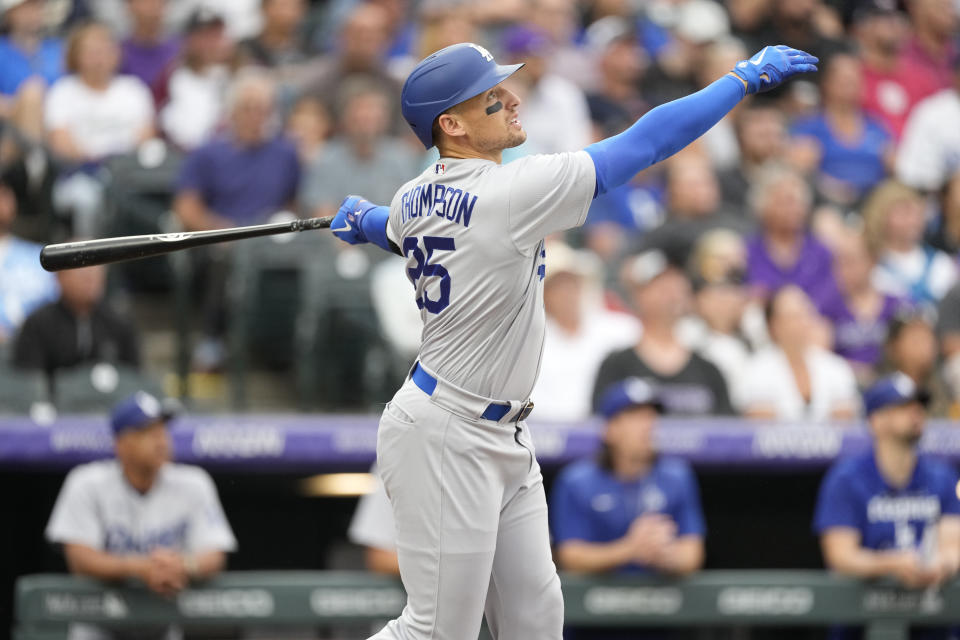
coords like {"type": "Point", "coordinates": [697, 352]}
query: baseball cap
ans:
{"type": "Point", "coordinates": [626, 394]}
{"type": "Point", "coordinates": [138, 411]}
{"type": "Point", "coordinates": [202, 17]}
{"type": "Point", "coordinates": [646, 266]}
{"type": "Point", "coordinates": [895, 389]}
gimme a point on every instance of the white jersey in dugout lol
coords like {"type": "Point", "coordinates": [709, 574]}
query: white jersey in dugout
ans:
{"type": "Point", "coordinates": [98, 508]}
{"type": "Point", "coordinates": [473, 232]}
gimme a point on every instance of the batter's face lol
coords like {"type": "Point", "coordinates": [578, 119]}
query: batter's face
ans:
{"type": "Point", "coordinates": [486, 124]}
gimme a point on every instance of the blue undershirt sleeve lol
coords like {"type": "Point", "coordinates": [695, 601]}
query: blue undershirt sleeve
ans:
{"type": "Point", "coordinates": [662, 132]}
{"type": "Point", "coordinates": [374, 227]}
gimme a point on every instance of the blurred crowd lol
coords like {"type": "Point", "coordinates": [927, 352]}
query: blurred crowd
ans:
{"type": "Point", "coordinates": [806, 245]}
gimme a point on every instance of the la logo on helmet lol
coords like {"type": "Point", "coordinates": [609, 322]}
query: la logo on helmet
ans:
{"type": "Point", "coordinates": [486, 54]}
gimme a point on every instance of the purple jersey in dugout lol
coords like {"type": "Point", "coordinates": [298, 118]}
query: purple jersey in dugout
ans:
{"type": "Point", "coordinates": [860, 339]}
{"type": "Point", "coordinates": [855, 495]}
{"type": "Point", "coordinates": [812, 272]}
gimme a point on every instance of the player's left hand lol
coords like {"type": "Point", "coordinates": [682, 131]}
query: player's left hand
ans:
{"type": "Point", "coordinates": [346, 224]}
{"type": "Point", "coordinates": [772, 65]}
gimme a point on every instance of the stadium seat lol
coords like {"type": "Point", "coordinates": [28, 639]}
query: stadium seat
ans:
{"type": "Point", "coordinates": [96, 388]}
{"type": "Point", "coordinates": [139, 194]}
{"type": "Point", "coordinates": [264, 293]}
{"type": "Point", "coordinates": [343, 359]}
{"type": "Point", "coordinates": [20, 390]}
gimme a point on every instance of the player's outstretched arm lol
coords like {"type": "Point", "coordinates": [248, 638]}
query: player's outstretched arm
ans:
{"type": "Point", "coordinates": [670, 127]}
{"type": "Point", "coordinates": [359, 221]}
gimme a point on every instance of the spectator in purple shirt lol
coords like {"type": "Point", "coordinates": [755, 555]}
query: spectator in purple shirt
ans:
{"type": "Point", "coordinates": [860, 314]}
{"type": "Point", "coordinates": [246, 175]}
{"type": "Point", "coordinates": [242, 178]}
{"type": "Point", "coordinates": [146, 54]}
{"type": "Point", "coordinates": [784, 252]}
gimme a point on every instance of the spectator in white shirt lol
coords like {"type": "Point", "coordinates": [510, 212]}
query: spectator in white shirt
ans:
{"type": "Point", "coordinates": [930, 149]}
{"type": "Point", "coordinates": [92, 114]}
{"type": "Point", "coordinates": [580, 333]}
{"type": "Point", "coordinates": [192, 97]}
{"type": "Point", "coordinates": [795, 379]}
{"type": "Point", "coordinates": [907, 268]}
{"type": "Point", "coordinates": [723, 312]}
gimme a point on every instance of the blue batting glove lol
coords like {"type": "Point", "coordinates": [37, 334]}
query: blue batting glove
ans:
{"type": "Point", "coordinates": [346, 224]}
{"type": "Point", "coordinates": [772, 65]}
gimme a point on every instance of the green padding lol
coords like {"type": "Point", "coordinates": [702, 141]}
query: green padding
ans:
{"type": "Point", "coordinates": [293, 598]}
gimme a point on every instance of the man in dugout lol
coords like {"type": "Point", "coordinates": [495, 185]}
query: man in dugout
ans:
{"type": "Point", "coordinates": [891, 512]}
{"type": "Point", "coordinates": [140, 517]}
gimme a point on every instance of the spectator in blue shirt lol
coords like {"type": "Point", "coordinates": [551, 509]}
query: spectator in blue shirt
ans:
{"type": "Point", "coordinates": [629, 510]}
{"type": "Point", "coordinates": [29, 63]}
{"type": "Point", "coordinates": [24, 52]}
{"type": "Point", "coordinates": [848, 150]}
{"type": "Point", "coordinates": [890, 511]}
{"type": "Point", "coordinates": [24, 285]}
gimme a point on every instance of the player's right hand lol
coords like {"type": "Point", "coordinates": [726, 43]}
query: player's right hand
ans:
{"type": "Point", "coordinates": [772, 65]}
{"type": "Point", "coordinates": [650, 535]}
{"type": "Point", "coordinates": [164, 572]}
{"type": "Point", "coordinates": [912, 573]}
{"type": "Point", "coordinates": [346, 224]}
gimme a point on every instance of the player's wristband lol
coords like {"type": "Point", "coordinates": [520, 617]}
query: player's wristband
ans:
{"type": "Point", "coordinates": [373, 224]}
{"type": "Point", "coordinates": [737, 76]}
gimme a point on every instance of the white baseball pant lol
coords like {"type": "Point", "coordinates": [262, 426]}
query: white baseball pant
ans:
{"type": "Point", "coordinates": [471, 519]}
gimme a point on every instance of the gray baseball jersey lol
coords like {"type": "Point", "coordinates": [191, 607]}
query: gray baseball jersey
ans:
{"type": "Point", "coordinates": [98, 508]}
{"type": "Point", "coordinates": [472, 232]}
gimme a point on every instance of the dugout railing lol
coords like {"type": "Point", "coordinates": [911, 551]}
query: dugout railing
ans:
{"type": "Point", "coordinates": [46, 603]}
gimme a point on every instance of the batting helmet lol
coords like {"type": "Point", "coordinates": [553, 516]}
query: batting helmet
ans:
{"type": "Point", "coordinates": [445, 78]}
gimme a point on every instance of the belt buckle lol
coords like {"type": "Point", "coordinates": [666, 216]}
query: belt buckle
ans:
{"type": "Point", "coordinates": [525, 411]}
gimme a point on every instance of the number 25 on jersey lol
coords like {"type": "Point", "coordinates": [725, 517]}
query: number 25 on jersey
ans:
{"type": "Point", "coordinates": [422, 267]}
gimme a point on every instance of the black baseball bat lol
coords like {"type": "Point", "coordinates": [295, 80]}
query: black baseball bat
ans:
{"type": "Point", "coordinates": [86, 253]}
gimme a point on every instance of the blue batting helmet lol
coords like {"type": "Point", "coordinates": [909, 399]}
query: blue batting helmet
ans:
{"type": "Point", "coordinates": [445, 78]}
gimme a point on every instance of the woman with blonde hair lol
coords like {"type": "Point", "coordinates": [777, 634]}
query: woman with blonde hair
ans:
{"type": "Point", "coordinates": [90, 115]}
{"type": "Point", "coordinates": [726, 323]}
{"type": "Point", "coordinates": [894, 219]}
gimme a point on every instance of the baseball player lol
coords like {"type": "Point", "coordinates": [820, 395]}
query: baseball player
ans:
{"type": "Point", "coordinates": [139, 516]}
{"type": "Point", "coordinates": [453, 449]}
{"type": "Point", "coordinates": [890, 511]}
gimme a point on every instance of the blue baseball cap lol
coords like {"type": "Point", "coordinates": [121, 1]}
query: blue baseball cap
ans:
{"type": "Point", "coordinates": [626, 394]}
{"type": "Point", "coordinates": [894, 389]}
{"type": "Point", "coordinates": [138, 411]}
